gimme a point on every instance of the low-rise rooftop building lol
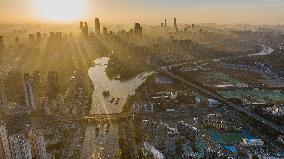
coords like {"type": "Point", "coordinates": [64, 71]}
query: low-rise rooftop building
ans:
{"type": "Point", "coordinates": [252, 142]}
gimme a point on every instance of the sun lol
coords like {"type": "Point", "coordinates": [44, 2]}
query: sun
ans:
{"type": "Point", "coordinates": [60, 10]}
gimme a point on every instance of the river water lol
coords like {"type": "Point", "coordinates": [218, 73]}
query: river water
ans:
{"type": "Point", "coordinates": [101, 144]}
{"type": "Point", "coordinates": [265, 51]}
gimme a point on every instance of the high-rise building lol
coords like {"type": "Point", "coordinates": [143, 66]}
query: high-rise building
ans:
{"type": "Point", "coordinates": [52, 85]}
{"type": "Point", "coordinates": [38, 36]}
{"type": "Point", "coordinates": [20, 147]}
{"type": "Point", "coordinates": [137, 29]}
{"type": "Point", "coordinates": [3, 92]}
{"type": "Point", "coordinates": [58, 35]}
{"type": "Point", "coordinates": [175, 23]}
{"type": "Point", "coordinates": [81, 26]}
{"type": "Point", "coordinates": [1, 42]}
{"type": "Point", "coordinates": [165, 24]}
{"type": "Point", "coordinates": [97, 26]}
{"type": "Point", "coordinates": [104, 30]}
{"type": "Point", "coordinates": [185, 29]}
{"type": "Point", "coordinates": [86, 29]}
{"type": "Point", "coordinates": [31, 37]}
{"type": "Point", "coordinates": [37, 143]}
{"type": "Point", "coordinates": [14, 87]}
{"type": "Point", "coordinates": [52, 35]}
{"type": "Point", "coordinates": [36, 81]}
{"type": "Point", "coordinates": [162, 25]}
{"type": "Point", "coordinates": [5, 152]}
{"type": "Point", "coordinates": [30, 92]}
{"type": "Point", "coordinates": [123, 32]}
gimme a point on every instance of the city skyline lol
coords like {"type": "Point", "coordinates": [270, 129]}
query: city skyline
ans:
{"type": "Point", "coordinates": [141, 79]}
{"type": "Point", "coordinates": [149, 12]}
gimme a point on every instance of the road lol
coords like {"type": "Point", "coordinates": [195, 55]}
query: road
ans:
{"type": "Point", "coordinates": [216, 96]}
{"type": "Point", "coordinates": [179, 114]}
{"type": "Point", "coordinates": [135, 114]}
{"type": "Point", "coordinates": [72, 145]}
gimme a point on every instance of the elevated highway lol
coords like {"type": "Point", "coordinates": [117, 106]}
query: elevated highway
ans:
{"type": "Point", "coordinates": [216, 96]}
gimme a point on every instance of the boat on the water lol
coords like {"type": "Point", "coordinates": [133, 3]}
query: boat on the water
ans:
{"type": "Point", "coordinates": [117, 100]}
{"type": "Point", "coordinates": [107, 127]}
{"type": "Point", "coordinates": [106, 93]}
{"type": "Point", "coordinates": [117, 77]}
{"type": "Point", "coordinates": [112, 100]}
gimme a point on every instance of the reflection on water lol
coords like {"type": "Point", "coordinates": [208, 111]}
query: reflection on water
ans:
{"type": "Point", "coordinates": [118, 89]}
{"type": "Point", "coordinates": [98, 143]}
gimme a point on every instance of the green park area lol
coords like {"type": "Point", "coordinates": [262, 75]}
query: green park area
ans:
{"type": "Point", "coordinates": [217, 79]}
{"type": "Point", "coordinates": [254, 95]}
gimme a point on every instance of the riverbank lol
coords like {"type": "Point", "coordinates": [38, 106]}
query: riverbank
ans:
{"type": "Point", "coordinates": [118, 89]}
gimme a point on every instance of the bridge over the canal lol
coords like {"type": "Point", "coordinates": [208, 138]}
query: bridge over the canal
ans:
{"type": "Point", "coordinates": [115, 116]}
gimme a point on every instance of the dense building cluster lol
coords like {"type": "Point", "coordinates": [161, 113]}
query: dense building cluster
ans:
{"type": "Point", "coordinates": [165, 138]}
{"type": "Point", "coordinates": [217, 121]}
{"type": "Point", "coordinates": [35, 95]}
{"type": "Point", "coordinates": [22, 146]}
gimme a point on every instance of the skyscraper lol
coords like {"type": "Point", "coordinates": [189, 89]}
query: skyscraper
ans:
{"type": "Point", "coordinates": [97, 26]}
{"type": "Point", "coordinates": [137, 29]}
{"type": "Point", "coordinates": [3, 92]}
{"type": "Point", "coordinates": [20, 147]}
{"type": "Point", "coordinates": [52, 35]}
{"type": "Point", "coordinates": [31, 37]}
{"type": "Point", "coordinates": [52, 84]}
{"type": "Point", "coordinates": [1, 42]}
{"type": "Point", "coordinates": [58, 35]}
{"type": "Point", "coordinates": [38, 36]}
{"type": "Point", "coordinates": [84, 28]}
{"type": "Point", "coordinates": [30, 92]}
{"type": "Point", "coordinates": [14, 88]}
{"type": "Point", "coordinates": [36, 81]}
{"type": "Point", "coordinates": [165, 24]}
{"type": "Point", "coordinates": [105, 30]}
{"type": "Point", "coordinates": [81, 26]}
{"type": "Point", "coordinates": [175, 23]}
{"type": "Point", "coordinates": [36, 140]}
{"type": "Point", "coordinates": [5, 152]}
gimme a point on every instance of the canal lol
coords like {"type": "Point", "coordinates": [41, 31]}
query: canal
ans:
{"type": "Point", "coordinates": [102, 139]}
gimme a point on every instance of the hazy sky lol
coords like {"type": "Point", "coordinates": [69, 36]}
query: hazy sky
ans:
{"type": "Point", "coordinates": [145, 11]}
